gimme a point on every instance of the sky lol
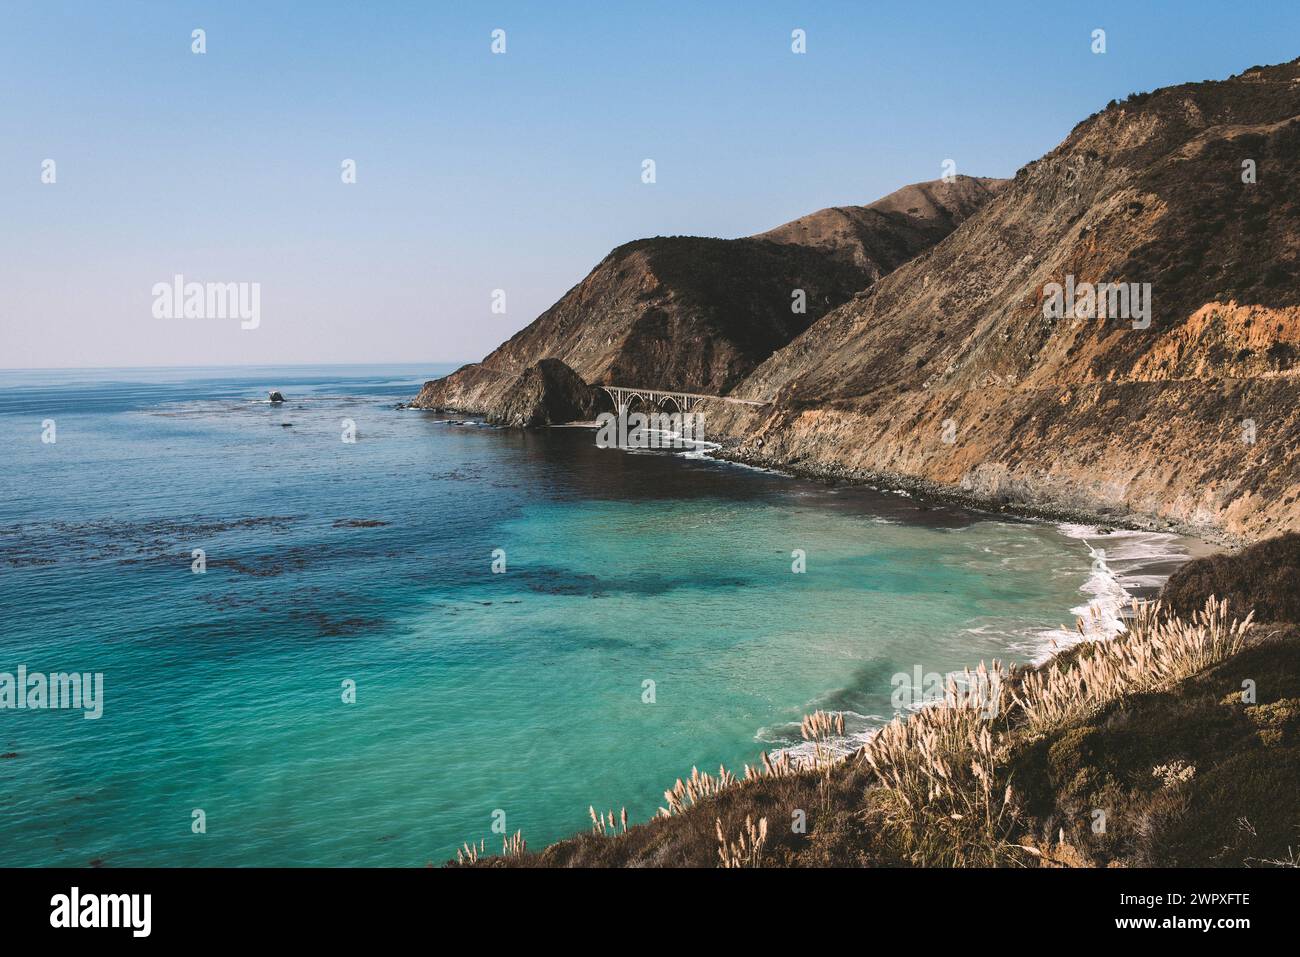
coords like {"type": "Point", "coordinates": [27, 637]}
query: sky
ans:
{"type": "Point", "coordinates": [479, 171]}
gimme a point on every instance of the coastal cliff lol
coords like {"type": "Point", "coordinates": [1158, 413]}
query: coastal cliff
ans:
{"type": "Point", "coordinates": [938, 353]}
{"type": "Point", "coordinates": [948, 375]}
{"type": "Point", "coordinates": [548, 393]}
{"type": "Point", "coordinates": [971, 369]}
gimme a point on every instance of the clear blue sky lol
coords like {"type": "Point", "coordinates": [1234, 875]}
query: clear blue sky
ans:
{"type": "Point", "coordinates": [518, 171]}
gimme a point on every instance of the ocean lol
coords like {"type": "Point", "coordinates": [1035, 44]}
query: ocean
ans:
{"type": "Point", "coordinates": [321, 652]}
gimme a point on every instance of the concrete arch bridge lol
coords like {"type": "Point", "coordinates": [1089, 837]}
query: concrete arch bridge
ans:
{"type": "Point", "coordinates": [664, 400]}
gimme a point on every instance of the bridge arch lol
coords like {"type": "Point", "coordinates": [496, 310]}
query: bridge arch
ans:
{"type": "Point", "coordinates": [659, 399]}
{"type": "Point", "coordinates": [636, 402]}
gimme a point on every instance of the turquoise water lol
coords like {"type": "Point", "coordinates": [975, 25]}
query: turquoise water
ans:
{"type": "Point", "coordinates": [476, 692]}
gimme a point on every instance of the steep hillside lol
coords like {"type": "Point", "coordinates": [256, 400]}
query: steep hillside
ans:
{"type": "Point", "coordinates": [947, 371]}
{"type": "Point", "coordinates": [699, 314]}
{"type": "Point", "coordinates": [1264, 576]}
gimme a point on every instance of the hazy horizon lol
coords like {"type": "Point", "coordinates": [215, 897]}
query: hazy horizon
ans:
{"type": "Point", "coordinates": [477, 171]}
{"type": "Point", "coordinates": [239, 365]}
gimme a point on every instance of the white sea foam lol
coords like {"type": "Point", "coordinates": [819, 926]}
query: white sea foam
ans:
{"type": "Point", "coordinates": [705, 455]}
{"type": "Point", "coordinates": [859, 730]}
{"type": "Point", "coordinates": [1123, 561]}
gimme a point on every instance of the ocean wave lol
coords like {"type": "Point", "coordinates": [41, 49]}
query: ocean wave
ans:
{"type": "Point", "coordinates": [859, 729]}
{"type": "Point", "coordinates": [1123, 561]}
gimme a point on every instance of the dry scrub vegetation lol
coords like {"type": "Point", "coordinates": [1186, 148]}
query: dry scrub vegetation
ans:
{"type": "Point", "coordinates": [1150, 731]}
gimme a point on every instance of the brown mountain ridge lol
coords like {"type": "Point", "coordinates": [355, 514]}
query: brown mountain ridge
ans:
{"type": "Point", "coordinates": [698, 314]}
{"type": "Point", "coordinates": [947, 375]}
{"type": "Point", "coordinates": [927, 359]}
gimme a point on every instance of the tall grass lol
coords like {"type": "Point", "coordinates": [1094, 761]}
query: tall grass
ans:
{"type": "Point", "coordinates": [695, 789]}
{"type": "Point", "coordinates": [940, 800]}
{"type": "Point", "coordinates": [1157, 650]}
{"type": "Point", "coordinates": [468, 853]}
{"type": "Point", "coordinates": [514, 845]}
{"type": "Point", "coordinates": [781, 766]}
{"type": "Point", "coordinates": [747, 849]}
{"type": "Point", "coordinates": [604, 824]}
{"type": "Point", "coordinates": [945, 796]}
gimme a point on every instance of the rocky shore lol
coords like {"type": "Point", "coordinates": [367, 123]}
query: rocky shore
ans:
{"type": "Point", "coordinates": [930, 491]}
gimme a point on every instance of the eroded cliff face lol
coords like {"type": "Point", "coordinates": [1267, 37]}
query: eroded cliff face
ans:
{"type": "Point", "coordinates": [947, 370]}
{"type": "Point", "coordinates": [698, 314]}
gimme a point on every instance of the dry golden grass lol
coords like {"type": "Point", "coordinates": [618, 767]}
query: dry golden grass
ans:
{"type": "Point", "coordinates": [694, 790]}
{"type": "Point", "coordinates": [1157, 650]}
{"type": "Point", "coordinates": [1174, 773]}
{"type": "Point", "coordinates": [514, 845]}
{"type": "Point", "coordinates": [747, 849]}
{"type": "Point", "coordinates": [604, 824]}
{"type": "Point", "coordinates": [782, 766]}
{"type": "Point", "coordinates": [468, 853]}
{"type": "Point", "coordinates": [946, 798]}
{"type": "Point", "coordinates": [821, 728]}
{"type": "Point", "coordinates": [938, 770]}
{"type": "Point", "coordinates": [1058, 854]}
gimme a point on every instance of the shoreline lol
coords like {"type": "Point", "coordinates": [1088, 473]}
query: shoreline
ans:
{"type": "Point", "coordinates": [1211, 541]}
{"type": "Point", "coordinates": [1198, 542]}
{"type": "Point", "coordinates": [1131, 558]}
{"type": "Point", "coordinates": [1203, 540]}
{"type": "Point", "coordinates": [1113, 589]}
{"type": "Point", "coordinates": [1130, 563]}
